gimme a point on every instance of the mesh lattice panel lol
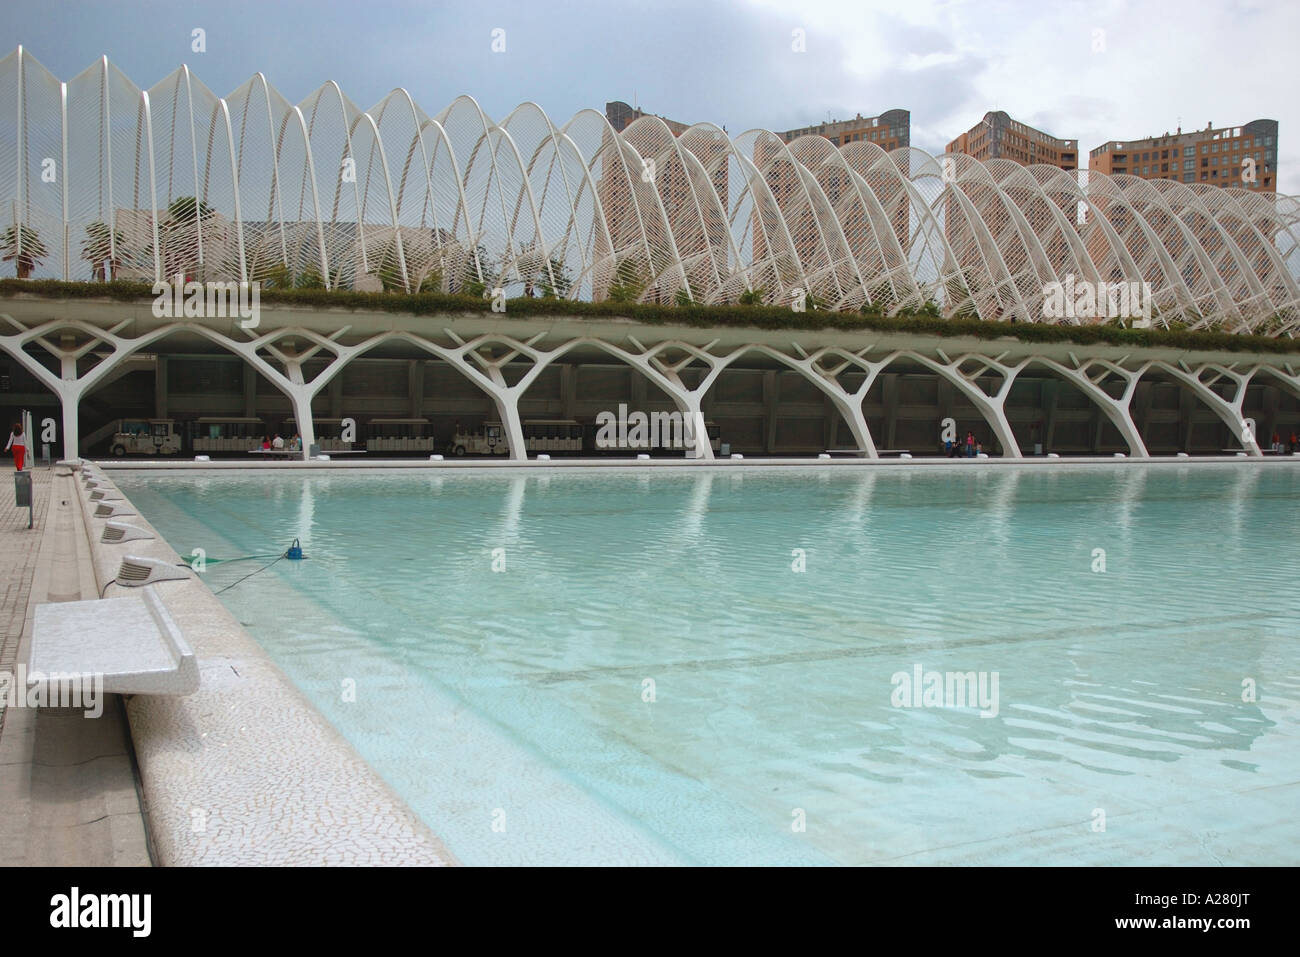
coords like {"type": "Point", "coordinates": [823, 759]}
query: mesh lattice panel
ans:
{"type": "Point", "coordinates": [101, 179]}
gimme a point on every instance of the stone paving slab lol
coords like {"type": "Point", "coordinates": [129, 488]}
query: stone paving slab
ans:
{"type": "Point", "coordinates": [19, 546]}
{"type": "Point", "coordinates": [67, 783]}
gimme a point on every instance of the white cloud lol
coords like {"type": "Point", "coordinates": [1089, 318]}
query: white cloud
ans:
{"type": "Point", "coordinates": [1162, 63]}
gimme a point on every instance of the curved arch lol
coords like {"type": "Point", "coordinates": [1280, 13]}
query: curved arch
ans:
{"type": "Point", "coordinates": [392, 203]}
{"type": "Point", "coordinates": [686, 401]}
{"type": "Point", "coordinates": [985, 246]}
{"type": "Point", "coordinates": [552, 139]}
{"type": "Point", "coordinates": [1015, 181]}
{"type": "Point", "coordinates": [883, 243]}
{"type": "Point", "coordinates": [764, 201]}
{"type": "Point", "coordinates": [1118, 411]}
{"type": "Point", "coordinates": [610, 147]}
{"type": "Point", "coordinates": [1021, 243]}
{"type": "Point", "coordinates": [991, 407]}
{"type": "Point", "coordinates": [1116, 207]}
{"type": "Point", "coordinates": [654, 198]}
{"type": "Point", "coordinates": [826, 380]}
{"type": "Point", "coordinates": [1148, 203]}
{"type": "Point", "coordinates": [1229, 411]}
{"type": "Point", "coordinates": [1187, 205]}
{"type": "Point", "coordinates": [926, 248]}
{"type": "Point", "coordinates": [853, 224]}
{"type": "Point", "coordinates": [275, 166]}
{"type": "Point", "coordinates": [715, 151]}
{"type": "Point", "coordinates": [804, 198]}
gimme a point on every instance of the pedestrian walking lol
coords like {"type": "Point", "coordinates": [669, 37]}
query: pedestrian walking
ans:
{"type": "Point", "coordinates": [18, 444]}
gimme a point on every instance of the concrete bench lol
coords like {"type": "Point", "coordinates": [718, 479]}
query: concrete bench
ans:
{"type": "Point", "coordinates": [133, 642]}
{"type": "Point", "coordinates": [861, 454]}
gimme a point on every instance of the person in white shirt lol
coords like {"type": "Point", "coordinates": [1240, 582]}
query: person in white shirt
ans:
{"type": "Point", "coordinates": [17, 442]}
{"type": "Point", "coordinates": [278, 441]}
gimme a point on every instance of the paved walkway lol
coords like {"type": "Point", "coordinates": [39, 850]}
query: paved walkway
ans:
{"type": "Point", "coordinates": [18, 548]}
{"type": "Point", "coordinates": [67, 784]}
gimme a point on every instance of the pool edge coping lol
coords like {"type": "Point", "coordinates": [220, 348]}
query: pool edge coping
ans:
{"type": "Point", "coordinates": [238, 798]}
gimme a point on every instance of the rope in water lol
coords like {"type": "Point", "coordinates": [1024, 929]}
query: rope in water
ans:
{"type": "Point", "coordinates": [251, 574]}
{"type": "Point", "coordinates": [226, 561]}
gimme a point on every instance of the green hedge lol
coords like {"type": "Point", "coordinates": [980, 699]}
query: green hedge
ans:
{"type": "Point", "coordinates": [755, 317]}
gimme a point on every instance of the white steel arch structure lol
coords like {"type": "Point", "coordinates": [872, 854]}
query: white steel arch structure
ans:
{"type": "Point", "coordinates": [101, 178]}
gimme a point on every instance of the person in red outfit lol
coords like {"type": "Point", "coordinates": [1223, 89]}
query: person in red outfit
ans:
{"type": "Point", "coordinates": [18, 444]}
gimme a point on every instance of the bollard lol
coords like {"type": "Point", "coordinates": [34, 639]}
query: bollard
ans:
{"type": "Point", "coordinates": [23, 493]}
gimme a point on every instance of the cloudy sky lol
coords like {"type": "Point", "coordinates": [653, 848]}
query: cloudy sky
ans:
{"type": "Point", "coordinates": [1095, 71]}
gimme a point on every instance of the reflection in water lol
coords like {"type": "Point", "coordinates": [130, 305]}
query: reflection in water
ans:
{"type": "Point", "coordinates": [306, 513]}
{"type": "Point", "coordinates": [1119, 688]}
{"type": "Point", "coordinates": [512, 508]}
{"type": "Point", "coordinates": [1128, 496]}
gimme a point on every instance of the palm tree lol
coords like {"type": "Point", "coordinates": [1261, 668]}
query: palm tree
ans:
{"type": "Point", "coordinates": [32, 249]}
{"type": "Point", "coordinates": [311, 278]}
{"type": "Point", "coordinates": [629, 282]}
{"type": "Point", "coordinates": [388, 267]}
{"type": "Point", "coordinates": [563, 281]}
{"type": "Point", "coordinates": [98, 248]}
{"type": "Point", "coordinates": [179, 231]}
{"type": "Point", "coordinates": [188, 209]}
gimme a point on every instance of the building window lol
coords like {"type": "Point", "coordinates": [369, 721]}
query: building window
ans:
{"type": "Point", "coordinates": [1204, 149]}
{"type": "Point", "coordinates": [1189, 150]}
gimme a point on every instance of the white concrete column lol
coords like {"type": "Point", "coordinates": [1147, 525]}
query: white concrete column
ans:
{"type": "Point", "coordinates": [70, 401]}
{"type": "Point", "coordinates": [507, 403]}
{"type": "Point", "coordinates": [1228, 411]}
{"type": "Point", "coordinates": [688, 403]}
{"type": "Point", "coordinates": [1117, 410]}
{"type": "Point", "coordinates": [71, 424]}
{"type": "Point", "coordinates": [300, 395]}
{"type": "Point", "coordinates": [851, 409]}
{"type": "Point", "coordinates": [991, 407]}
{"type": "Point", "coordinates": [826, 378]}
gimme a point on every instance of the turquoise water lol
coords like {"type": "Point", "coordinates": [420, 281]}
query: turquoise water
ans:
{"type": "Point", "coordinates": [646, 678]}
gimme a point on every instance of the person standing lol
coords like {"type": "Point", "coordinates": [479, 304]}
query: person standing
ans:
{"type": "Point", "coordinates": [18, 443]}
{"type": "Point", "coordinates": [970, 445]}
